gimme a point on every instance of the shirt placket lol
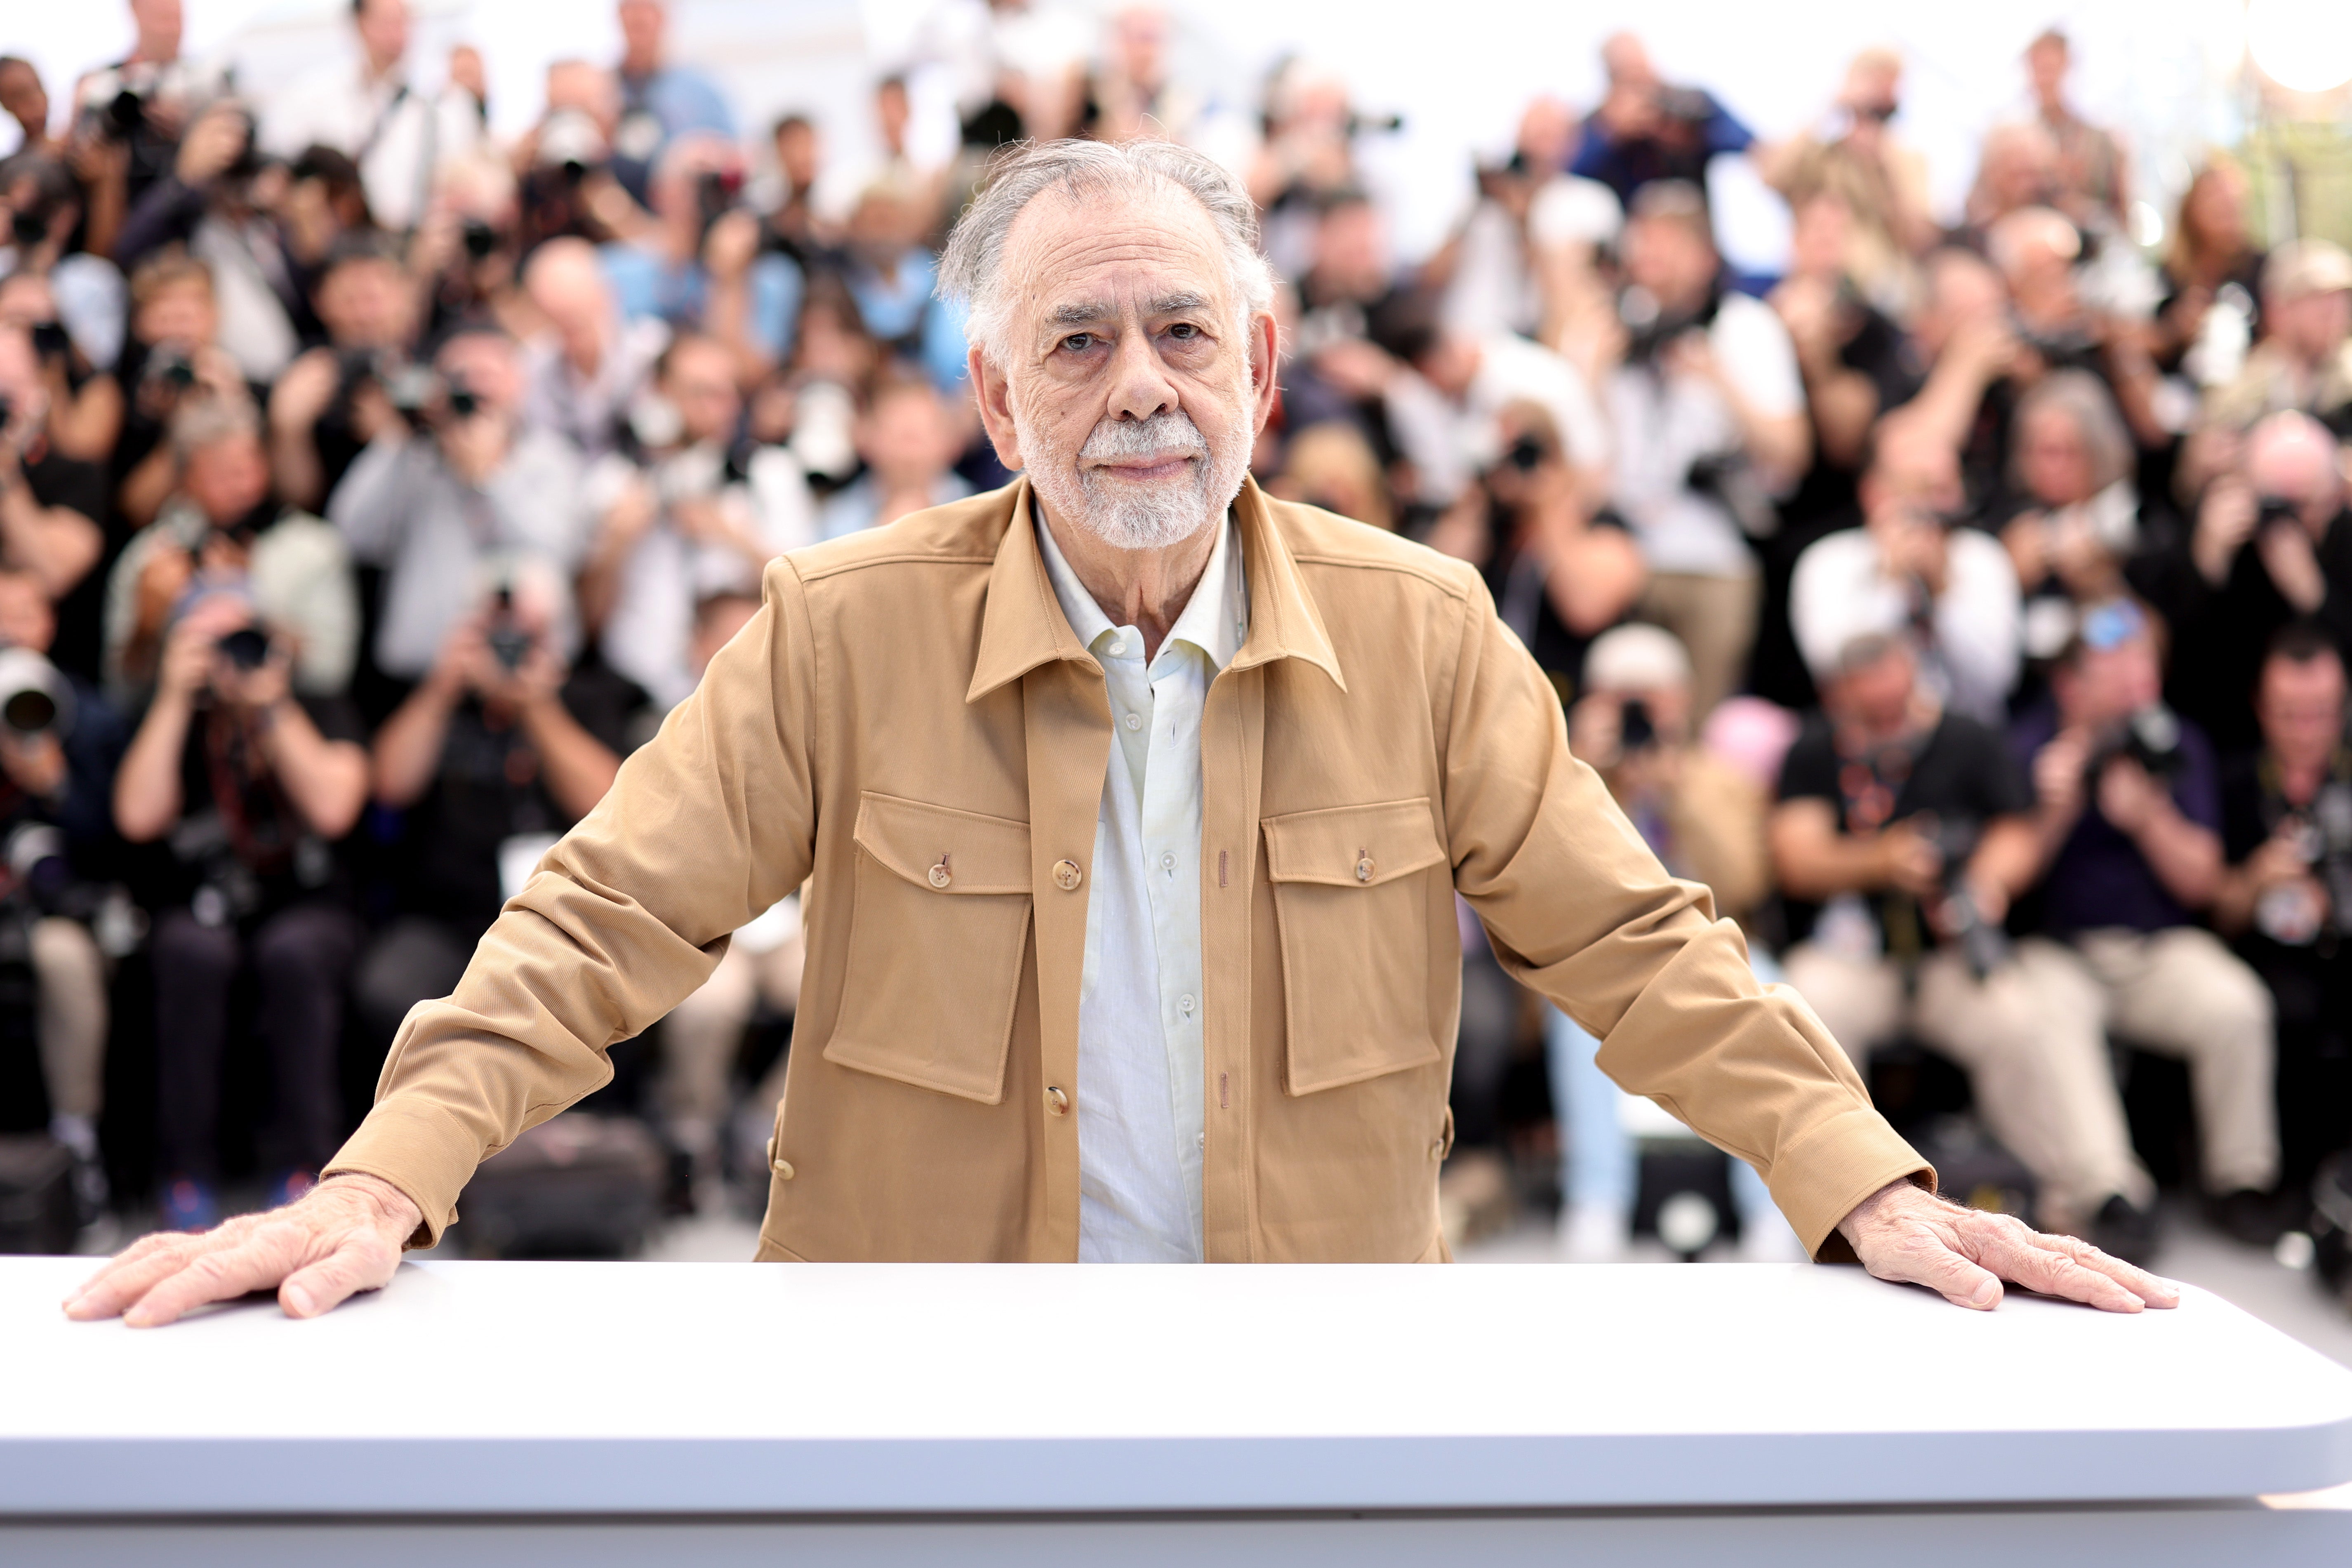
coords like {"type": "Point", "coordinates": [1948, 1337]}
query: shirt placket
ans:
{"type": "Point", "coordinates": [1172, 840]}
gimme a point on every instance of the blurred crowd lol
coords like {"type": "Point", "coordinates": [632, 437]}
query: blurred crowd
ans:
{"type": "Point", "coordinates": [1968, 605]}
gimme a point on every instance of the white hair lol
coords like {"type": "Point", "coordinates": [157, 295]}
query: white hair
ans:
{"type": "Point", "coordinates": [971, 269]}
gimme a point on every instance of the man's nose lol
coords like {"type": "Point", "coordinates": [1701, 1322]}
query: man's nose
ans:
{"type": "Point", "coordinates": [1139, 384]}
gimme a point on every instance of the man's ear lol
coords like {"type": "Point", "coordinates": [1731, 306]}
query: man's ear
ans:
{"type": "Point", "coordinates": [1264, 360]}
{"type": "Point", "coordinates": [992, 391]}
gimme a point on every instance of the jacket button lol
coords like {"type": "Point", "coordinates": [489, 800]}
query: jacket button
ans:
{"type": "Point", "coordinates": [1364, 869]}
{"type": "Point", "coordinates": [1066, 875]}
{"type": "Point", "coordinates": [1437, 1150]}
{"type": "Point", "coordinates": [1057, 1103]}
{"type": "Point", "coordinates": [784, 1169]}
{"type": "Point", "coordinates": [940, 875]}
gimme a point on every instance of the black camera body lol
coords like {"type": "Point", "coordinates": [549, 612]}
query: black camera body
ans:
{"type": "Point", "coordinates": [2151, 737]}
{"type": "Point", "coordinates": [1984, 944]}
{"type": "Point", "coordinates": [247, 648]}
{"type": "Point", "coordinates": [511, 643]}
{"type": "Point", "coordinates": [1636, 729]}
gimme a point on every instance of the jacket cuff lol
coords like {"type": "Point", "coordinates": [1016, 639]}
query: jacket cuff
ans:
{"type": "Point", "coordinates": [419, 1148]}
{"type": "Point", "coordinates": [1820, 1179]}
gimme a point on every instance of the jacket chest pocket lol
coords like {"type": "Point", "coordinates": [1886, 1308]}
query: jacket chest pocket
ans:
{"type": "Point", "coordinates": [936, 930]}
{"type": "Point", "coordinates": [1352, 898]}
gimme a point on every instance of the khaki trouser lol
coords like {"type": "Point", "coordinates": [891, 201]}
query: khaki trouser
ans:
{"type": "Point", "coordinates": [2045, 1089]}
{"type": "Point", "coordinates": [1715, 619]}
{"type": "Point", "coordinates": [2181, 993]}
{"type": "Point", "coordinates": [70, 976]}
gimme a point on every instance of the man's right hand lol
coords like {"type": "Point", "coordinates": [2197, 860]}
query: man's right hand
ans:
{"type": "Point", "coordinates": [342, 1236]}
{"type": "Point", "coordinates": [1909, 860]}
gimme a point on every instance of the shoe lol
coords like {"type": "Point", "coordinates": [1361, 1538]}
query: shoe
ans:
{"type": "Point", "coordinates": [1594, 1233]}
{"type": "Point", "coordinates": [190, 1205]}
{"type": "Point", "coordinates": [2121, 1230]}
{"type": "Point", "coordinates": [2247, 1217]}
{"type": "Point", "coordinates": [291, 1186]}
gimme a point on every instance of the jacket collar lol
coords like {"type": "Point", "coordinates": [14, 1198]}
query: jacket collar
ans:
{"type": "Point", "coordinates": [1023, 626]}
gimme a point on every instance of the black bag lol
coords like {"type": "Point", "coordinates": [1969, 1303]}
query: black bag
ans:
{"type": "Point", "coordinates": [581, 1186]}
{"type": "Point", "coordinates": [37, 1196]}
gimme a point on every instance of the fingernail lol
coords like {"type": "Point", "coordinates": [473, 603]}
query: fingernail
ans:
{"type": "Point", "coordinates": [1987, 1294]}
{"type": "Point", "coordinates": [297, 1301]}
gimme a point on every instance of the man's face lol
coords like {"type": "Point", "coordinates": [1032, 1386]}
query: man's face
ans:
{"type": "Point", "coordinates": [2313, 327]}
{"type": "Point", "coordinates": [182, 313]}
{"type": "Point", "coordinates": [2107, 686]}
{"type": "Point", "coordinates": [1914, 482]}
{"type": "Point", "coordinates": [641, 28]}
{"type": "Point", "coordinates": [2296, 462]}
{"type": "Point", "coordinates": [21, 97]}
{"type": "Point", "coordinates": [158, 21]}
{"type": "Point", "coordinates": [1129, 387]}
{"type": "Point", "coordinates": [2055, 460]}
{"type": "Point", "coordinates": [1877, 696]}
{"type": "Point", "coordinates": [701, 386]}
{"type": "Point", "coordinates": [1352, 252]}
{"type": "Point", "coordinates": [227, 478]}
{"type": "Point", "coordinates": [2301, 708]}
{"type": "Point", "coordinates": [365, 304]}
{"type": "Point", "coordinates": [1669, 260]}
{"type": "Point", "coordinates": [904, 438]}
{"type": "Point", "coordinates": [796, 153]}
{"type": "Point", "coordinates": [2045, 65]}
{"type": "Point", "coordinates": [485, 366]}
{"type": "Point", "coordinates": [383, 30]}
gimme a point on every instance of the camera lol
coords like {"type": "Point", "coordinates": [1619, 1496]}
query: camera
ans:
{"type": "Point", "coordinates": [2150, 737]}
{"type": "Point", "coordinates": [1983, 944]}
{"type": "Point", "coordinates": [1525, 455]}
{"type": "Point", "coordinates": [509, 642]}
{"type": "Point", "coordinates": [2274, 511]}
{"type": "Point", "coordinates": [34, 698]}
{"type": "Point", "coordinates": [715, 194]}
{"type": "Point", "coordinates": [51, 342]}
{"type": "Point", "coordinates": [1636, 729]}
{"type": "Point", "coordinates": [481, 241]}
{"type": "Point", "coordinates": [171, 369]}
{"type": "Point", "coordinates": [246, 647]}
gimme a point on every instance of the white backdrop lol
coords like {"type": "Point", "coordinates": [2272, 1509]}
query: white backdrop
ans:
{"type": "Point", "coordinates": [2163, 69]}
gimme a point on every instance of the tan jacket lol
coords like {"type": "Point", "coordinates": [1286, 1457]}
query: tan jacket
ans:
{"type": "Point", "coordinates": [911, 724]}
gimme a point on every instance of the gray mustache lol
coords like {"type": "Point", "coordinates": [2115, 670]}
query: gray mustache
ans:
{"type": "Point", "coordinates": [1169, 432]}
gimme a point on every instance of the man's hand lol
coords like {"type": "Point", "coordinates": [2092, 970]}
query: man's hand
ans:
{"type": "Point", "coordinates": [341, 1236]}
{"type": "Point", "coordinates": [1906, 1235]}
{"type": "Point", "coordinates": [1909, 860]}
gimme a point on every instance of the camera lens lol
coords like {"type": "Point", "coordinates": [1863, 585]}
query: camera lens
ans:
{"type": "Point", "coordinates": [246, 647]}
{"type": "Point", "coordinates": [29, 711]}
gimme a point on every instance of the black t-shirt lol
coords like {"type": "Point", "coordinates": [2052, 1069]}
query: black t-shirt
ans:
{"type": "Point", "coordinates": [1961, 773]}
{"type": "Point", "coordinates": [241, 850]}
{"type": "Point", "coordinates": [491, 788]}
{"type": "Point", "coordinates": [54, 481]}
{"type": "Point", "coordinates": [2231, 629]}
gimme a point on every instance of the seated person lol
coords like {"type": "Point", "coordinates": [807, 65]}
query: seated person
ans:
{"type": "Point", "coordinates": [221, 518]}
{"type": "Point", "coordinates": [434, 505]}
{"type": "Point", "coordinates": [909, 440]}
{"type": "Point", "coordinates": [2286, 899]}
{"type": "Point", "coordinates": [57, 757]}
{"type": "Point", "coordinates": [708, 515]}
{"type": "Point", "coordinates": [703, 1034]}
{"type": "Point", "coordinates": [1903, 833]}
{"type": "Point", "coordinates": [1706, 822]}
{"type": "Point", "coordinates": [501, 748]}
{"type": "Point", "coordinates": [1911, 568]}
{"type": "Point", "coordinates": [250, 785]}
{"type": "Point", "coordinates": [2128, 819]}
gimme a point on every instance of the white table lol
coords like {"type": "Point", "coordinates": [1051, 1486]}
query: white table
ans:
{"type": "Point", "coordinates": [593, 1413]}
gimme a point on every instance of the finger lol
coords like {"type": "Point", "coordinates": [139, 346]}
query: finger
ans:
{"type": "Point", "coordinates": [2018, 1253]}
{"type": "Point", "coordinates": [2153, 1288]}
{"type": "Point", "coordinates": [360, 1263]}
{"type": "Point", "coordinates": [1923, 1258]}
{"type": "Point", "coordinates": [219, 1276]}
{"type": "Point", "coordinates": [126, 1277]}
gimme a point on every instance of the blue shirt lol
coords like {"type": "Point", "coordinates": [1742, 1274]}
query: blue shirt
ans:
{"type": "Point", "coordinates": [902, 308]}
{"type": "Point", "coordinates": [646, 285]}
{"type": "Point", "coordinates": [1626, 166]}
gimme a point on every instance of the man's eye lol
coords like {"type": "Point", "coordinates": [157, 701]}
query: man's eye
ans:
{"type": "Point", "coordinates": [1183, 329]}
{"type": "Point", "coordinates": [1078, 342]}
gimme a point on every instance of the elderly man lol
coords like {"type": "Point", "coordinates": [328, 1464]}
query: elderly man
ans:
{"type": "Point", "coordinates": [1133, 807]}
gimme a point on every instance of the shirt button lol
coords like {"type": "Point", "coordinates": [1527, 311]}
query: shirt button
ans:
{"type": "Point", "coordinates": [1066, 875]}
{"type": "Point", "coordinates": [1135, 721]}
{"type": "Point", "coordinates": [1185, 1004]}
{"type": "Point", "coordinates": [1057, 1103]}
{"type": "Point", "coordinates": [784, 1169]}
{"type": "Point", "coordinates": [1117, 646]}
{"type": "Point", "coordinates": [940, 875]}
{"type": "Point", "coordinates": [1168, 862]}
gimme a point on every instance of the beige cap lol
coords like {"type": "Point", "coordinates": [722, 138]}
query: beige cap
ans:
{"type": "Point", "coordinates": [2302, 267]}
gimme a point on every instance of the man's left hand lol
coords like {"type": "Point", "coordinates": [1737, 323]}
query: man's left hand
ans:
{"type": "Point", "coordinates": [1910, 1236]}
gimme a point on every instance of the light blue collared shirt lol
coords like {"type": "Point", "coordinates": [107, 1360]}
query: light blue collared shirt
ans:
{"type": "Point", "coordinates": [1140, 1092]}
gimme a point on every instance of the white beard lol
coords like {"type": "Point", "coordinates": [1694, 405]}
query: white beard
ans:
{"type": "Point", "coordinates": [1121, 513]}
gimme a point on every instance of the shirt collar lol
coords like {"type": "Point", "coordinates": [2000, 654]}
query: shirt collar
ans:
{"type": "Point", "coordinates": [1024, 626]}
{"type": "Point", "coordinates": [1214, 620]}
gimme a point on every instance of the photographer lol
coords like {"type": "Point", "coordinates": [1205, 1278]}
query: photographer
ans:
{"type": "Point", "coordinates": [2286, 899]}
{"type": "Point", "coordinates": [250, 785]}
{"type": "Point", "coordinates": [2129, 818]}
{"type": "Point", "coordinates": [432, 505]}
{"type": "Point", "coordinates": [1910, 568]}
{"type": "Point", "coordinates": [1903, 833]}
{"type": "Point", "coordinates": [174, 362]}
{"type": "Point", "coordinates": [582, 374]}
{"type": "Point", "coordinates": [221, 523]}
{"type": "Point", "coordinates": [2305, 358]}
{"type": "Point", "coordinates": [216, 202]}
{"type": "Point", "coordinates": [1705, 821]}
{"type": "Point", "coordinates": [1645, 130]}
{"type": "Point", "coordinates": [1559, 576]}
{"type": "Point", "coordinates": [702, 266]}
{"type": "Point", "coordinates": [908, 438]}
{"type": "Point", "coordinates": [144, 102]}
{"type": "Point", "coordinates": [2272, 545]}
{"type": "Point", "coordinates": [48, 503]}
{"type": "Point", "coordinates": [1703, 392]}
{"type": "Point", "coordinates": [336, 399]}
{"type": "Point", "coordinates": [501, 748]}
{"type": "Point", "coordinates": [705, 517]}
{"type": "Point", "coordinates": [60, 743]}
